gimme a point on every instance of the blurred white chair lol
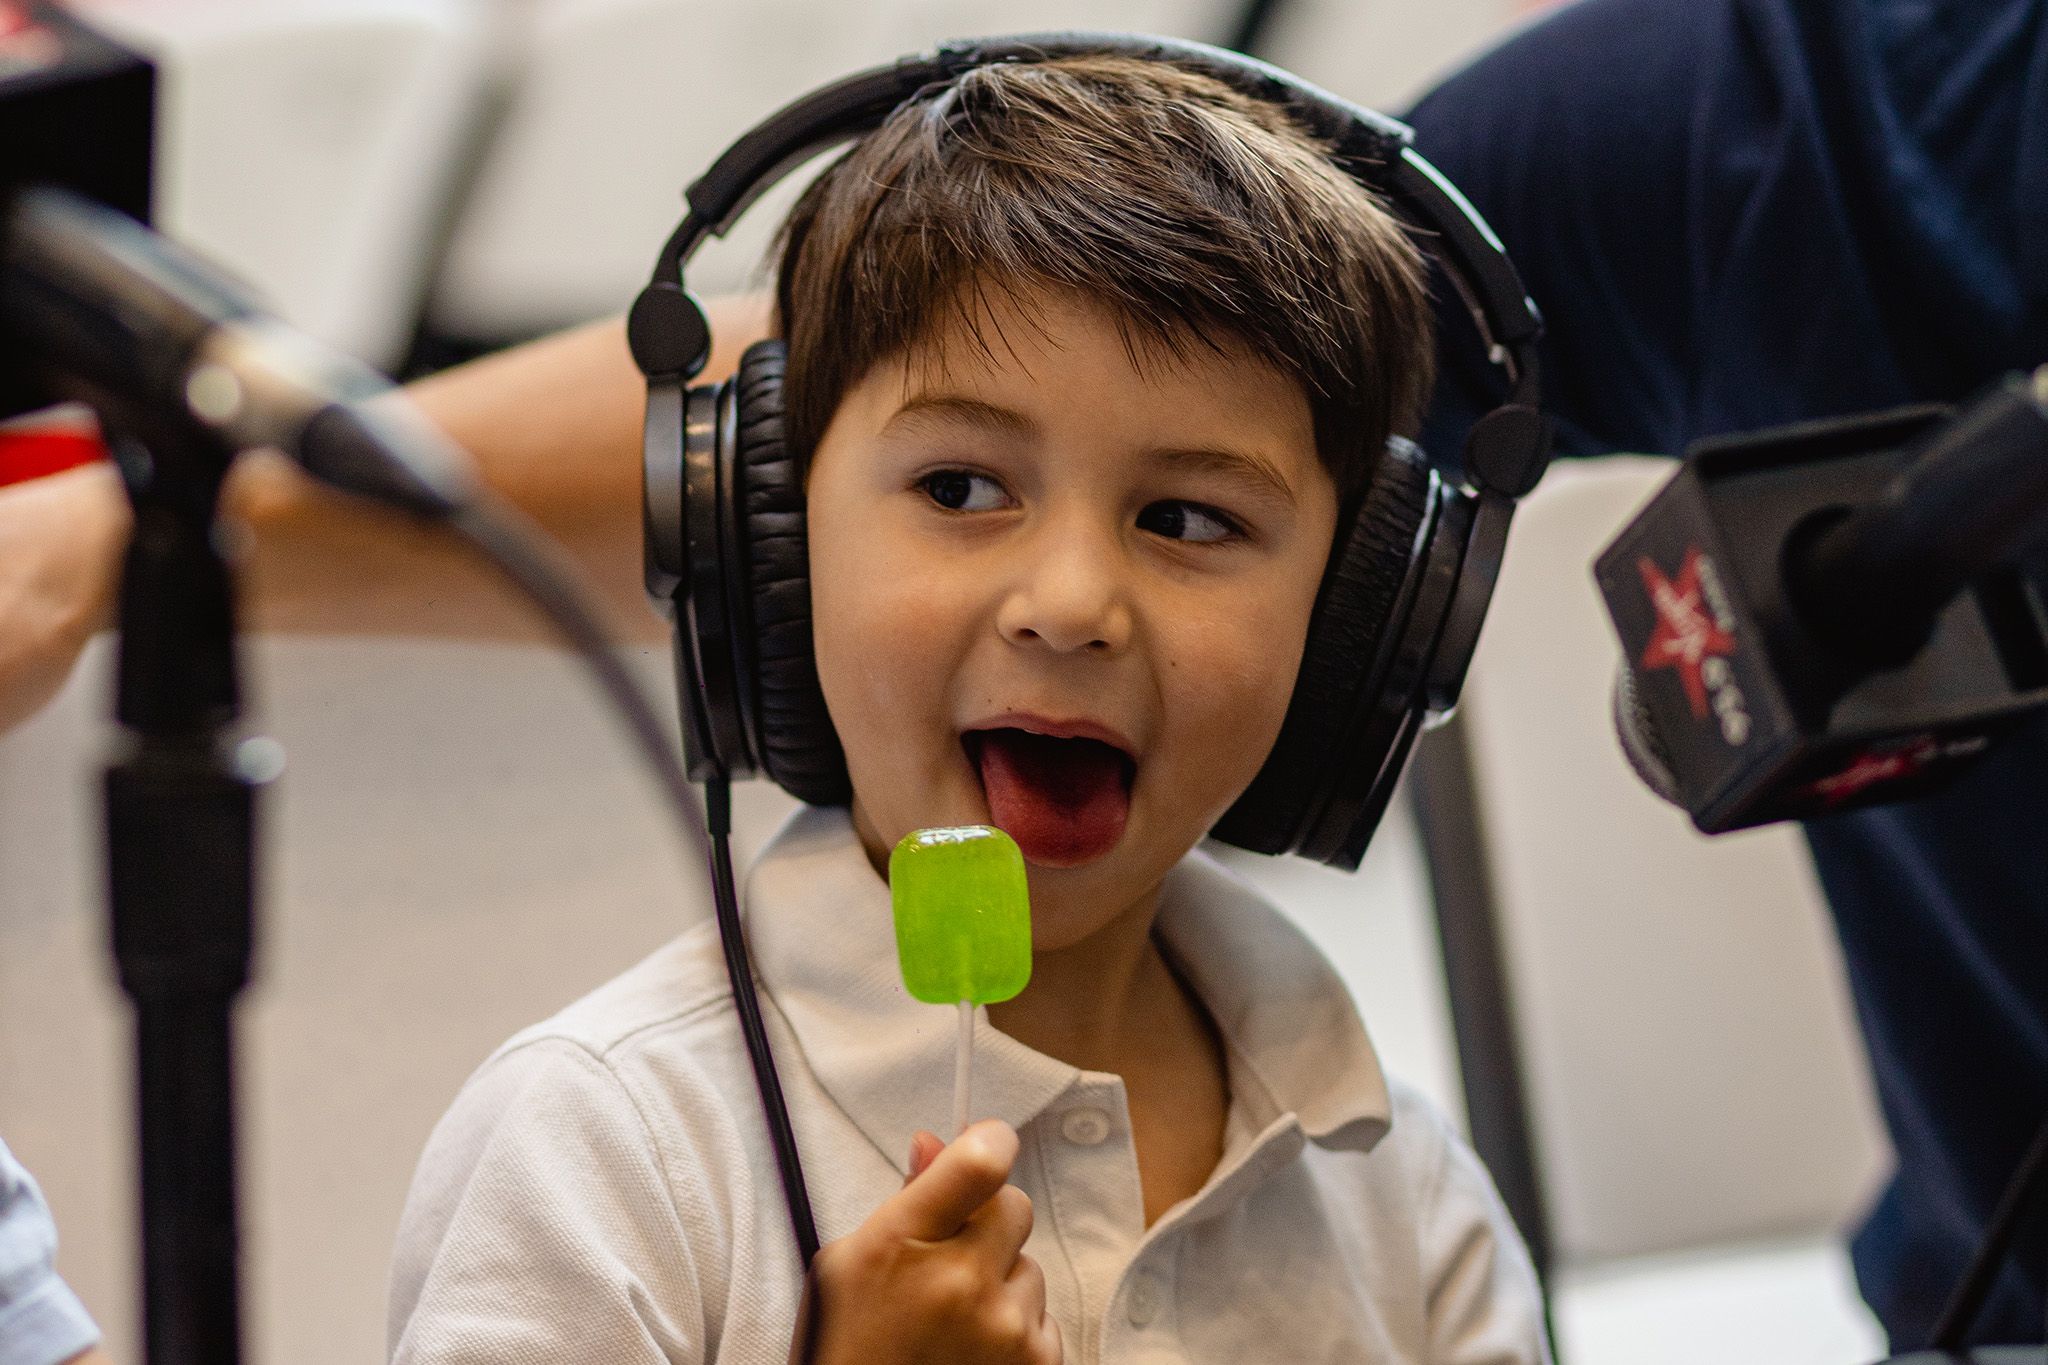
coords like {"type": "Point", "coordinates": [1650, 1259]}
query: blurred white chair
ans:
{"type": "Point", "coordinates": [1694, 1072]}
{"type": "Point", "coordinates": [309, 146]}
{"type": "Point", "coordinates": [618, 104]}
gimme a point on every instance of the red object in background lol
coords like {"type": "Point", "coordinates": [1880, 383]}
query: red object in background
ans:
{"type": "Point", "coordinates": [25, 45]}
{"type": "Point", "coordinates": [48, 444]}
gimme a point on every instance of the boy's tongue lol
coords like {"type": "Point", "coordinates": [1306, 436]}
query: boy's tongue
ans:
{"type": "Point", "coordinates": [1063, 800]}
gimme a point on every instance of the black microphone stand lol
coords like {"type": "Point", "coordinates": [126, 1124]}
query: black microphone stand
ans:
{"type": "Point", "coordinates": [180, 845]}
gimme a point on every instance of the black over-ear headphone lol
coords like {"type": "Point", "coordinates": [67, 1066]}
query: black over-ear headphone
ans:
{"type": "Point", "coordinates": [1401, 603]}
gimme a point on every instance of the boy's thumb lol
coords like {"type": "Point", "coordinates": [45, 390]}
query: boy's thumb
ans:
{"type": "Point", "coordinates": [962, 1178]}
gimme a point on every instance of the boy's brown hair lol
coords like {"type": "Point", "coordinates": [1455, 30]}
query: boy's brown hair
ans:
{"type": "Point", "coordinates": [1188, 209]}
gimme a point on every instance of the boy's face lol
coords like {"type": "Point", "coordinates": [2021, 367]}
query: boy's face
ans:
{"type": "Point", "coordinates": [1065, 593]}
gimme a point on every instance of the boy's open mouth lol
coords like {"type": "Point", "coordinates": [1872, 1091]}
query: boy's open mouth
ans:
{"type": "Point", "coordinates": [1063, 800]}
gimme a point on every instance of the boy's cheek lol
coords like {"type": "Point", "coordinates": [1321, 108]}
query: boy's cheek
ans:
{"type": "Point", "coordinates": [1227, 693]}
{"type": "Point", "coordinates": [885, 671]}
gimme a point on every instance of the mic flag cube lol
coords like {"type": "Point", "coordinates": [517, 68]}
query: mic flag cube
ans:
{"type": "Point", "coordinates": [963, 915]}
{"type": "Point", "coordinates": [1745, 715]}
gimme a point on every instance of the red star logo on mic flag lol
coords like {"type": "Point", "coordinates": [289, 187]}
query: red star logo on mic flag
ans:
{"type": "Point", "coordinates": [1686, 634]}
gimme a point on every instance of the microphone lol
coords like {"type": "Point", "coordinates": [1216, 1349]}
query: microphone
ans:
{"type": "Point", "coordinates": [1869, 582]}
{"type": "Point", "coordinates": [1826, 616]}
{"type": "Point", "coordinates": [98, 302]}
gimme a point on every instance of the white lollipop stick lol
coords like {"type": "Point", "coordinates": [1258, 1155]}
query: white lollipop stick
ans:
{"type": "Point", "coordinates": [963, 1067]}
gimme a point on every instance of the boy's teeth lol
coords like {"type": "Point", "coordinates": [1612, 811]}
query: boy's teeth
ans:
{"type": "Point", "coordinates": [1063, 800]}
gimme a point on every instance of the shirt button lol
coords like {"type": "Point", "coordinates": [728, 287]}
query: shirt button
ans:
{"type": "Point", "coordinates": [1085, 1127]}
{"type": "Point", "coordinates": [1143, 1303]}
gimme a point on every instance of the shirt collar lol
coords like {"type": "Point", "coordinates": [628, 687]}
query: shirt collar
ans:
{"type": "Point", "coordinates": [1281, 1008]}
{"type": "Point", "coordinates": [824, 943]}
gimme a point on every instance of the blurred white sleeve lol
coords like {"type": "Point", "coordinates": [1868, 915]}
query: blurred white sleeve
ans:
{"type": "Point", "coordinates": [41, 1320]}
{"type": "Point", "coordinates": [1484, 1304]}
{"type": "Point", "coordinates": [541, 1227]}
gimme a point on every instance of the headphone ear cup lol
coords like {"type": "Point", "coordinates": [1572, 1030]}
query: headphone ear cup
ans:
{"type": "Point", "coordinates": [797, 745]}
{"type": "Point", "coordinates": [1350, 638]}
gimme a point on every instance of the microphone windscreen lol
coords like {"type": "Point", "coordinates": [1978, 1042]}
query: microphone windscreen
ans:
{"type": "Point", "coordinates": [1640, 742]}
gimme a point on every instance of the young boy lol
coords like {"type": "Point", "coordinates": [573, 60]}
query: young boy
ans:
{"type": "Point", "coordinates": [1088, 358]}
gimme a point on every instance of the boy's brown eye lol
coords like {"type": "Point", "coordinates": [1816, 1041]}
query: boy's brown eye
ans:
{"type": "Point", "coordinates": [1185, 521]}
{"type": "Point", "coordinates": [956, 490]}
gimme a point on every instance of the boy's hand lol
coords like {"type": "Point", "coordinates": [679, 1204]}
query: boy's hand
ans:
{"type": "Point", "coordinates": [937, 1274]}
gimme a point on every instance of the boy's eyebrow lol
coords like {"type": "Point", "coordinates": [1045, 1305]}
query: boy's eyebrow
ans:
{"type": "Point", "coordinates": [1238, 464]}
{"type": "Point", "coordinates": [972, 411]}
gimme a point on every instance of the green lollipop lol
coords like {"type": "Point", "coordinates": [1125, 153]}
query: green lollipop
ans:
{"type": "Point", "coordinates": [963, 927]}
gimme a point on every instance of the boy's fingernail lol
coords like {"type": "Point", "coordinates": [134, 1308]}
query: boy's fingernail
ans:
{"type": "Point", "coordinates": [991, 1138]}
{"type": "Point", "coordinates": [923, 1148]}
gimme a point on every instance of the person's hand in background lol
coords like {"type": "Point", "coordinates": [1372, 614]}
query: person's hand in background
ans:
{"type": "Point", "coordinates": [61, 539]}
{"type": "Point", "coordinates": [553, 425]}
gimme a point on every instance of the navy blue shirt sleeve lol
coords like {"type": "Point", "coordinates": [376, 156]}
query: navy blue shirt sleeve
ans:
{"type": "Point", "coordinates": [1591, 208]}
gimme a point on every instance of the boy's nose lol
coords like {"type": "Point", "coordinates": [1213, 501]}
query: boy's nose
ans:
{"type": "Point", "coordinates": [1069, 599]}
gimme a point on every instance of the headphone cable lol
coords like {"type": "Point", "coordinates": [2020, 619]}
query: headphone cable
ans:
{"type": "Point", "coordinates": [718, 820]}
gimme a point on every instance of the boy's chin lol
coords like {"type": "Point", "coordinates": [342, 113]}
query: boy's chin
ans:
{"type": "Point", "coordinates": [1071, 904]}
{"type": "Point", "coordinates": [1069, 908]}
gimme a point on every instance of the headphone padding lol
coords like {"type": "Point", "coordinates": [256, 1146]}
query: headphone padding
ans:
{"type": "Point", "coordinates": [1353, 624]}
{"type": "Point", "coordinates": [798, 746]}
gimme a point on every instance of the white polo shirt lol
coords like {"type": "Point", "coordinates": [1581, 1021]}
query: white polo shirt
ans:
{"type": "Point", "coordinates": [603, 1189]}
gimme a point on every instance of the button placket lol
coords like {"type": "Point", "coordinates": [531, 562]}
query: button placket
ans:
{"type": "Point", "coordinates": [1096, 1201]}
